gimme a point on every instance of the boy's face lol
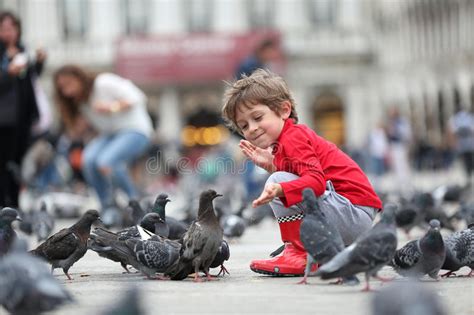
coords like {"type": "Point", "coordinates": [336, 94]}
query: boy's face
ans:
{"type": "Point", "coordinates": [260, 125]}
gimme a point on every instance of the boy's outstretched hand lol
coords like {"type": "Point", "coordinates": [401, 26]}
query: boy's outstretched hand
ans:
{"type": "Point", "coordinates": [270, 192]}
{"type": "Point", "coordinates": [261, 157]}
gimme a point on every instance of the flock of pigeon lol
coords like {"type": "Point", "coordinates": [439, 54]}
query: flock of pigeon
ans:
{"type": "Point", "coordinates": [161, 247]}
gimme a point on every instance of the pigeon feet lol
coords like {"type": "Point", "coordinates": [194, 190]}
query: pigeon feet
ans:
{"type": "Point", "coordinates": [448, 274]}
{"type": "Point", "coordinates": [303, 281]}
{"type": "Point", "coordinates": [223, 271]}
{"type": "Point", "coordinates": [337, 282]}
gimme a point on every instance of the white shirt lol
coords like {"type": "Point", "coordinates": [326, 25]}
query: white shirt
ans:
{"type": "Point", "coordinates": [110, 87]}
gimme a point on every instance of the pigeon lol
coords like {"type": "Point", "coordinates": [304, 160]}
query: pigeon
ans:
{"type": "Point", "coordinates": [129, 304]}
{"type": "Point", "coordinates": [233, 225]}
{"type": "Point", "coordinates": [408, 216]}
{"type": "Point", "coordinates": [406, 298]}
{"type": "Point", "coordinates": [420, 257]}
{"type": "Point", "coordinates": [7, 234]}
{"type": "Point", "coordinates": [321, 240]}
{"type": "Point", "coordinates": [459, 251]}
{"type": "Point", "coordinates": [69, 245]}
{"type": "Point", "coordinates": [43, 223]}
{"type": "Point", "coordinates": [465, 212]}
{"type": "Point", "coordinates": [201, 242]}
{"type": "Point", "coordinates": [222, 255]}
{"type": "Point", "coordinates": [100, 239]}
{"type": "Point", "coordinates": [156, 253]}
{"type": "Point", "coordinates": [26, 285]}
{"type": "Point", "coordinates": [369, 253]}
{"type": "Point", "coordinates": [176, 227]}
{"type": "Point", "coordinates": [107, 245]}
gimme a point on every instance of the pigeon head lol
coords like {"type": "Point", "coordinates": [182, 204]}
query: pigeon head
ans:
{"type": "Point", "coordinates": [434, 224]}
{"type": "Point", "coordinates": [8, 215]}
{"type": "Point", "coordinates": [154, 223]}
{"type": "Point", "coordinates": [91, 216]}
{"type": "Point", "coordinates": [205, 201]}
{"type": "Point", "coordinates": [310, 202]}
{"type": "Point", "coordinates": [160, 204]}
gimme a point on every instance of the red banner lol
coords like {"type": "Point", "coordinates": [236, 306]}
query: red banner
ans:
{"type": "Point", "coordinates": [190, 58]}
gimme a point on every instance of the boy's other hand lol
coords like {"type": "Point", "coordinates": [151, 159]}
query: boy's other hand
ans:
{"type": "Point", "coordinates": [270, 192]}
{"type": "Point", "coordinates": [261, 157]}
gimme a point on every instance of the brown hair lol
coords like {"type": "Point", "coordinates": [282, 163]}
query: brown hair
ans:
{"type": "Point", "coordinates": [69, 107]}
{"type": "Point", "coordinates": [261, 87]}
{"type": "Point", "coordinates": [16, 21]}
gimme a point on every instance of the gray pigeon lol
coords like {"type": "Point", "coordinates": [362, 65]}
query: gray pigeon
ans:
{"type": "Point", "coordinates": [406, 298]}
{"type": "Point", "coordinates": [43, 223]}
{"type": "Point", "coordinates": [69, 245]}
{"type": "Point", "coordinates": [233, 225]}
{"type": "Point", "coordinates": [369, 253]}
{"type": "Point", "coordinates": [459, 251]}
{"type": "Point", "coordinates": [107, 245]}
{"type": "Point", "coordinates": [158, 254]}
{"type": "Point", "coordinates": [26, 285]}
{"type": "Point", "coordinates": [176, 227]}
{"type": "Point", "coordinates": [201, 242]}
{"type": "Point", "coordinates": [320, 239]}
{"type": "Point", "coordinates": [129, 304]}
{"type": "Point", "coordinates": [7, 234]}
{"type": "Point", "coordinates": [222, 255]}
{"type": "Point", "coordinates": [100, 239]}
{"type": "Point", "coordinates": [420, 257]}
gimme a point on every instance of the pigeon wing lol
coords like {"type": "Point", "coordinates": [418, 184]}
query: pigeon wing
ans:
{"type": "Point", "coordinates": [59, 246]}
{"type": "Point", "coordinates": [407, 256]}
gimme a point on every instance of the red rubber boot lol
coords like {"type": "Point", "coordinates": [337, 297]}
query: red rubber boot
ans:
{"type": "Point", "coordinates": [292, 261]}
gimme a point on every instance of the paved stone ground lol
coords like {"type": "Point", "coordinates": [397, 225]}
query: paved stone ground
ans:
{"type": "Point", "coordinates": [98, 283]}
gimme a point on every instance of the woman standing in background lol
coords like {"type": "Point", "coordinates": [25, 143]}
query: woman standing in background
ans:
{"type": "Point", "coordinates": [18, 106]}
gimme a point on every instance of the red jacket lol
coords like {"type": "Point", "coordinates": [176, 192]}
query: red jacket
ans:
{"type": "Point", "coordinates": [299, 150]}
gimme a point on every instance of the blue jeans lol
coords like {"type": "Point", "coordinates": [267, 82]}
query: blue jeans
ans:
{"type": "Point", "coordinates": [113, 152]}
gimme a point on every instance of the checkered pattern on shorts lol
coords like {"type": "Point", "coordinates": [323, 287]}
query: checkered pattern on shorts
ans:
{"type": "Point", "coordinates": [290, 218]}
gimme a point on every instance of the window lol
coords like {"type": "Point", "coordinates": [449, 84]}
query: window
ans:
{"type": "Point", "coordinates": [74, 18]}
{"type": "Point", "coordinates": [135, 15]}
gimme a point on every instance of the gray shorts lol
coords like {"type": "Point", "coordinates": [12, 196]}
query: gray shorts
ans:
{"type": "Point", "coordinates": [350, 220]}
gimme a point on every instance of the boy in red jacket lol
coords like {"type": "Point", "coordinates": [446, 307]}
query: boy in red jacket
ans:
{"type": "Point", "coordinates": [261, 108]}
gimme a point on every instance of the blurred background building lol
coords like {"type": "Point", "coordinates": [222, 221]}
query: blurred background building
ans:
{"type": "Point", "coordinates": [345, 60]}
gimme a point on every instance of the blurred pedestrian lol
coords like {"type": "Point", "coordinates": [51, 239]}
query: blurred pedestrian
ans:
{"type": "Point", "coordinates": [261, 108]}
{"type": "Point", "coordinates": [18, 104]}
{"type": "Point", "coordinates": [116, 109]}
{"type": "Point", "coordinates": [266, 51]}
{"type": "Point", "coordinates": [399, 136]}
{"type": "Point", "coordinates": [377, 145]}
{"type": "Point", "coordinates": [461, 127]}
